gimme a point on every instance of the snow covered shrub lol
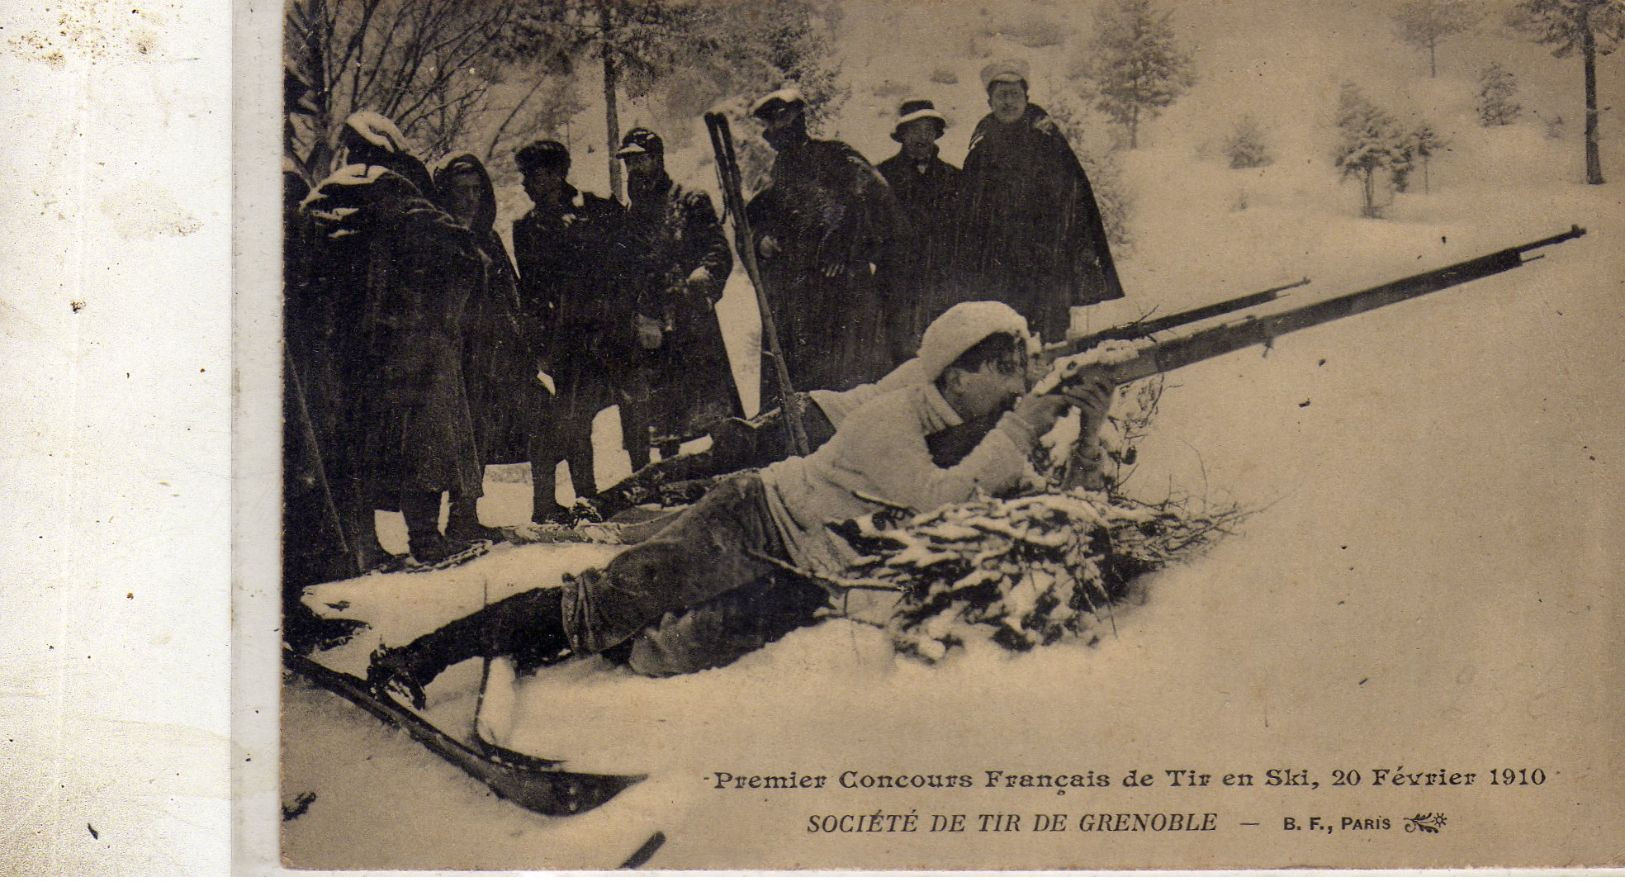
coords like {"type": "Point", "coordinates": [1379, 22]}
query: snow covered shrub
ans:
{"type": "Point", "coordinates": [1033, 30]}
{"type": "Point", "coordinates": [1245, 147]}
{"type": "Point", "coordinates": [1496, 88]}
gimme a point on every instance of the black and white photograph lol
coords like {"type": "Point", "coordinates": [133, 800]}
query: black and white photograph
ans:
{"type": "Point", "coordinates": [904, 435]}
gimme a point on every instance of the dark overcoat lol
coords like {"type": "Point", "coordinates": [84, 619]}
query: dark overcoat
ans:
{"type": "Point", "coordinates": [1027, 229]}
{"type": "Point", "coordinates": [685, 385]}
{"type": "Point", "coordinates": [833, 218]}
{"type": "Point", "coordinates": [499, 360]}
{"type": "Point", "coordinates": [927, 194]}
{"type": "Point", "coordinates": [393, 274]}
{"type": "Point", "coordinates": [569, 260]}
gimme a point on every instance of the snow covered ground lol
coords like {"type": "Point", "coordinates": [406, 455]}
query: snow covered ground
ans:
{"type": "Point", "coordinates": [1430, 578]}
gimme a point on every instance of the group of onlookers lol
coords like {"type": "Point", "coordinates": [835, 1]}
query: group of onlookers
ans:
{"type": "Point", "coordinates": [419, 352]}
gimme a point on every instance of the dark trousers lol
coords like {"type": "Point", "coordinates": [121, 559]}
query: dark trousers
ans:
{"type": "Point", "coordinates": [709, 575]}
{"type": "Point", "coordinates": [562, 431]}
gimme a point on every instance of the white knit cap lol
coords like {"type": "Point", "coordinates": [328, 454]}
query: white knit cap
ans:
{"type": "Point", "coordinates": [964, 325]}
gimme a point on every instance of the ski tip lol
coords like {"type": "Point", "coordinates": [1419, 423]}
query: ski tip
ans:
{"type": "Point", "coordinates": [644, 851]}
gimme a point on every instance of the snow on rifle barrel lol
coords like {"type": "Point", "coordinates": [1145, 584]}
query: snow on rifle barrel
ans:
{"type": "Point", "coordinates": [1129, 361]}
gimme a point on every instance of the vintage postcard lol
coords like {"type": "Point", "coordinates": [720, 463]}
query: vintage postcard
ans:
{"type": "Point", "coordinates": [887, 434]}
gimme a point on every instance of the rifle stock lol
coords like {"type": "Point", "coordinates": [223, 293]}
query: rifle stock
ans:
{"type": "Point", "coordinates": [1160, 357]}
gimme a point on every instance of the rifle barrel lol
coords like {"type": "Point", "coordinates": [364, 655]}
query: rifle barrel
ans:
{"type": "Point", "coordinates": [1211, 342]}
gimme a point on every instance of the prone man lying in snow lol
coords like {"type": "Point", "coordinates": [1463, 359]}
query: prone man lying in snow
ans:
{"type": "Point", "coordinates": [713, 585]}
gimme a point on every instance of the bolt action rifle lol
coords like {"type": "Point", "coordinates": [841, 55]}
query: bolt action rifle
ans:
{"type": "Point", "coordinates": [1138, 360]}
{"type": "Point", "coordinates": [747, 443]}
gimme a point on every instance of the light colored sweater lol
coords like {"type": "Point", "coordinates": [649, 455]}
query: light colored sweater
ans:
{"type": "Point", "coordinates": [880, 453]}
{"type": "Point", "coordinates": [839, 405]}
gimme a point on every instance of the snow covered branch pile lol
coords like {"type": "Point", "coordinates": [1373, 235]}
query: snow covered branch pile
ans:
{"type": "Point", "coordinates": [1022, 572]}
{"type": "Point", "coordinates": [1039, 568]}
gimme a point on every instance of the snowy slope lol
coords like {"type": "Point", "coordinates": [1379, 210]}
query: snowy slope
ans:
{"type": "Point", "coordinates": [1429, 578]}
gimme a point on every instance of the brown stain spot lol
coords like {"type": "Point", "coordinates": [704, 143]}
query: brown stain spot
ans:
{"type": "Point", "coordinates": [129, 596]}
{"type": "Point", "coordinates": [76, 305]}
{"type": "Point", "coordinates": [93, 31]}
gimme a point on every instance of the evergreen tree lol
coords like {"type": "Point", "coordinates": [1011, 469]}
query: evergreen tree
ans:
{"type": "Point", "coordinates": [1425, 144]}
{"type": "Point", "coordinates": [1420, 143]}
{"type": "Point", "coordinates": [1426, 23]}
{"type": "Point", "coordinates": [1245, 145]}
{"type": "Point", "coordinates": [1135, 64]}
{"type": "Point", "coordinates": [1369, 139]}
{"type": "Point", "coordinates": [1595, 27]}
{"type": "Point", "coordinates": [1496, 88]}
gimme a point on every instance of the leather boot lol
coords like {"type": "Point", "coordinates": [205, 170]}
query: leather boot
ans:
{"type": "Point", "coordinates": [529, 627]}
{"type": "Point", "coordinates": [463, 522]}
{"type": "Point", "coordinates": [421, 510]}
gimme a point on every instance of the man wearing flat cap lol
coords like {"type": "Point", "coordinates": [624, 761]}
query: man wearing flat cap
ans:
{"type": "Point", "coordinates": [568, 260]}
{"type": "Point", "coordinates": [925, 187]}
{"type": "Point", "coordinates": [824, 230]}
{"type": "Point", "coordinates": [1027, 228]}
{"type": "Point", "coordinates": [677, 381]}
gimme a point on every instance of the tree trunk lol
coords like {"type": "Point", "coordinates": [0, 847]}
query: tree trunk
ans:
{"type": "Point", "coordinates": [1588, 49]}
{"type": "Point", "coordinates": [1426, 187]}
{"type": "Point", "coordinates": [611, 113]}
{"type": "Point", "coordinates": [1433, 61]}
{"type": "Point", "coordinates": [1133, 127]}
{"type": "Point", "coordinates": [1369, 191]}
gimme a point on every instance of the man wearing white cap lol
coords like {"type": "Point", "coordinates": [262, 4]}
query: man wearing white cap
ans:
{"type": "Point", "coordinates": [824, 233]}
{"type": "Point", "coordinates": [712, 586]}
{"type": "Point", "coordinates": [925, 187]}
{"type": "Point", "coordinates": [1027, 227]}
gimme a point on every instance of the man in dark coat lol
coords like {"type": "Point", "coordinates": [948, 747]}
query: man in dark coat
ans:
{"type": "Point", "coordinates": [1028, 230]}
{"type": "Point", "coordinates": [678, 382]}
{"type": "Point", "coordinates": [392, 273]}
{"type": "Point", "coordinates": [824, 229]}
{"type": "Point", "coordinates": [568, 264]}
{"type": "Point", "coordinates": [926, 188]}
{"type": "Point", "coordinates": [499, 362]}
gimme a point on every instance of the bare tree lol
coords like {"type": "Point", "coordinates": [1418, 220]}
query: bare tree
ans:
{"type": "Point", "coordinates": [1426, 23]}
{"type": "Point", "coordinates": [429, 65]}
{"type": "Point", "coordinates": [719, 47]}
{"type": "Point", "coordinates": [1595, 27]}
